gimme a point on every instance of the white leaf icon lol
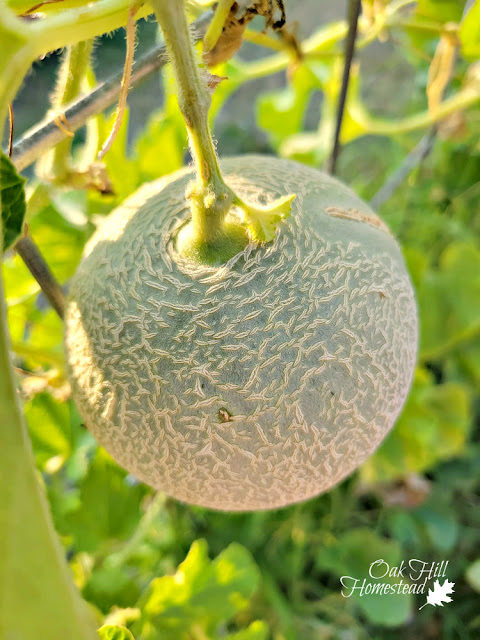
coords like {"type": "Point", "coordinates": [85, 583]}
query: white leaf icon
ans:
{"type": "Point", "coordinates": [439, 594]}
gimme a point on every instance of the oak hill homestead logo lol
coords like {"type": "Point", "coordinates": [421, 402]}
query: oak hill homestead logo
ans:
{"type": "Point", "coordinates": [414, 577]}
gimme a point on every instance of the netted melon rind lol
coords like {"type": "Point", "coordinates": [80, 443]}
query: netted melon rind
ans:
{"type": "Point", "coordinates": [257, 384]}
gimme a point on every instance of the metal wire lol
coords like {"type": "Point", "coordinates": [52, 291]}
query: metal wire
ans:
{"type": "Point", "coordinates": [46, 134]}
{"type": "Point", "coordinates": [353, 15]}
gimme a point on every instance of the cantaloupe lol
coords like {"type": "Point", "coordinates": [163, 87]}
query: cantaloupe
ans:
{"type": "Point", "coordinates": [257, 383]}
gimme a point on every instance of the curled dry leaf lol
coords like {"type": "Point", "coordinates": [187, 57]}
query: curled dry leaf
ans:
{"type": "Point", "coordinates": [241, 14]}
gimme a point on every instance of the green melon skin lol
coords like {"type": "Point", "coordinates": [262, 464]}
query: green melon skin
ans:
{"type": "Point", "coordinates": [252, 385]}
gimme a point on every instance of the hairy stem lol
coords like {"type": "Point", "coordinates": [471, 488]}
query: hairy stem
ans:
{"type": "Point", "coordinates": [70, 79]}
{"type": "Point", "coordinates": [209, 238]}
{"type": "Point", "coordinates": [125, 86]}
{"type": "Point", "coordinates": [211, 198]}
{"type": "Point", "coordinates": [46, 133]}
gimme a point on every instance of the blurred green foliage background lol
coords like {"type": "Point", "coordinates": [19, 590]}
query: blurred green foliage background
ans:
{"type": "Point", "coordinates": [170, 571]}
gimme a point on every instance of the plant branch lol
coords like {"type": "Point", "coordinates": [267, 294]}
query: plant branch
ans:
{"type": "Point", "coordinates": [215, 27]}
{"type": "Point", "coordinates": [193, 96]}
{"type": "Point", "coordinates": [354, 12]}
{"type": "Point", "coordinates": [125, 84]}
{"type": "Point", "coordinates": [56, 166]}
{"type": "Point", "coordinates": [40, 270]}
{"type": "Point", "coordinates": [47, 134]}
{"type": "Point", "coordinates": [209, 236]}
{"type": "Point", "coordinates": [210, 197]}
{"type": "Point", "coordinates": [410, 162]}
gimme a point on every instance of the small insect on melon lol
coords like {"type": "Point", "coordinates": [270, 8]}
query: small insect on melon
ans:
{"type": "Point", "coordinates": [256, 383]}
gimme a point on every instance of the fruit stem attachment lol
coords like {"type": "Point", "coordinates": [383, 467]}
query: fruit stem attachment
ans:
{"type": "Point", "coordinates": [194, 101]}
{"type": "Point", "coordinates": [212, 235]}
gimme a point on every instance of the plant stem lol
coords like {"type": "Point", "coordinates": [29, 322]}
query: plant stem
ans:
{"type": "Point", "coordinates": [462, 100]}
{"type": "Point", "coordinates": [209, 238]}
{"type": "Point", "coordinates": [71, 76]}
{"type": "Point", "coordinates": [46, 133]}
{"type": "Point", "coordinates": [30, 254]}
{"type": "Point", "coordinates": [215, 27]}
{"type": "Point", "coordinates": [410, 162]}
{"type": "Point", "coordinates": [211, 198]}
{"type": "Point", "coordinates": [39, 599]}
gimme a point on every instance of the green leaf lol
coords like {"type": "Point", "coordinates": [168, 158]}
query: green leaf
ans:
{"type": "Point", "coordinates": [441, 10]}
{"type": "Point", "coordinates": [312, 147]}
{"type": "Point", "coordinates": [202, 593]}
{"type": "Point", "coordinates": [472, 575]}
{"type": "Point", "coordinates": [161, 147]}
{"type": "Point", "coordinates": [59, 239]}
{"type": "Point", "coordinates": [434, 426]}
{"type": "Point", "coordinates": [122, 170]}
{"type": "Point", "coordinates": [50, 429]}
{"type": "Point", "coordinates": [351, 556]}
{"type": "Point", "coordinates": [281, 113]}
{"type": "Point", "coordinates": [39, 599]}
{"type": "Point", "coordinates": [440, 524]}
{"type": "Point", "coordinates": [114, 632]}
{"type": "Point", "coordinates": [12, 198]}
{"type": "Point", "coordinates": [470, 33]}
{"type": "Point", "coordinates": [450, 296]}
{"type": "Point", "coordinates": [109, 509]}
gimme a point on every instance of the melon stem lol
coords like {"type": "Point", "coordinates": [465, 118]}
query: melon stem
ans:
{"type": "Point", "coordinates": [212, 235]}
{"type": "Point", "coordinates": [210, 197]}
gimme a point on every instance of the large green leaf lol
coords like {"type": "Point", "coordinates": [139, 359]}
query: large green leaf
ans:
{"type": "Point", "coordinates": [38, 596]}
{"type": "Point", "coordinates": [281, 113]}
{"type": "Point", "coordinates": [473, 575]}
{"type": "Point", "coordinates": [202, 594]}
{"type": "Point", "coordinates": [351, 557]}
{"type": "Point", "coordinates": [440, 524]}
{"type": "Point", "coordinates": [434, 426]}
{"type": "Point", "coordinates": [161, 147]}
{"type": "Point", "coordinates": [449, 299]}
{"type": "Point", "coordinates": [52, 431]}
{"type": "Point", "coordinates": [109, 507]}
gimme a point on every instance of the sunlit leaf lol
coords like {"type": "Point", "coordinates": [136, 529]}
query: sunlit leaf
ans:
{"type": "Point", "coordinates": [202, 593]}
{"type": "Point", "coordinates": [433, 426]}
{"type": "Point", "coordinates": [351, 557]}
{"type": "Point", "coordinates": [473, 575]}
{"type": "Point", "coordinates": [110, 508]}
{"type": "Point", "coordinates": [12, 198]}
{"type": "Point", "coordinates": [470, 33]}
{"type": "Point", "coordinates": [281, 113]}
{"type": "Point", "coordinates": [114, 632]}
{"type": "Point", "coordinates": [441, 10]}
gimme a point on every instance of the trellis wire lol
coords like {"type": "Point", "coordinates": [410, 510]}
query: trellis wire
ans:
{"type": "Point", "coordinates": [46, 134]}
{"type": "Point", "coordinates": [416, 156]}
{"type": "Point", "coordinates": [353, 15]}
